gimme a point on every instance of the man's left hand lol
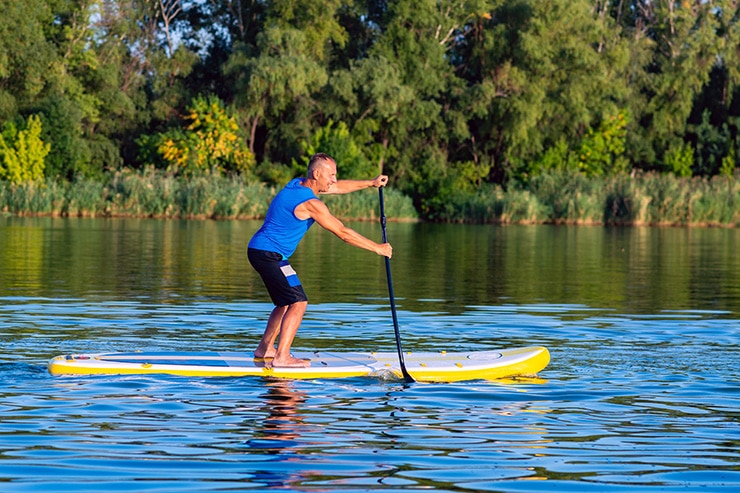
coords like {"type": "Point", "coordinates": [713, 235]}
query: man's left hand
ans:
{"type": "Point", "coordinates": [380, 181]}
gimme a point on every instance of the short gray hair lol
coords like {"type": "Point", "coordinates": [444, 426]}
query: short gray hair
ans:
{"type": "Point", "coordinates": [317, 160]}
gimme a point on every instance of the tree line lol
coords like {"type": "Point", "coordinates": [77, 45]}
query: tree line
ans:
{"type": "Point", "coordinates": [443, 96]}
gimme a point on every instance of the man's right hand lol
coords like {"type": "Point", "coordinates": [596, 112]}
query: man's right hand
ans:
{"type": "Point", "coordinates": [385, 250]}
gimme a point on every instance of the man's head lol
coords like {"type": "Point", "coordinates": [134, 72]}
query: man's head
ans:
{"type": "Point", "coordinates": [318, 160]}
{"type": "Point", "coordinates": [322, 169]}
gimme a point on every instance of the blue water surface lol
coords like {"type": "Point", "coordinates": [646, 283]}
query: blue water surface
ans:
{"type": "Point", "coordinates": [628, 403]}
{"type": "Point", "coordinates": [642, 393]}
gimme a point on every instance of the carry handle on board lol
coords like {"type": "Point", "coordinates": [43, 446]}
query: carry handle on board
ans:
{"type": "Point", "coordinates": [404, 372]}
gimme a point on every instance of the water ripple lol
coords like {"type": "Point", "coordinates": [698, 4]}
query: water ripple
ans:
{"type": "Point", "coordinates": [628, 403]}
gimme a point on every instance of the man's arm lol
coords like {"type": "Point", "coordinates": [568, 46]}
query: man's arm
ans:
{"type": "Point", "coordinates": [348, 186]}
{"type": "Point", "coordinates": [317, 210]}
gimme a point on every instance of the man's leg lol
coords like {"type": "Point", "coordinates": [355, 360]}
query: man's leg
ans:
{"type": "Point", "coordinates": [266, 347]}
{"type": "Point", "coordinates": [291, 321]}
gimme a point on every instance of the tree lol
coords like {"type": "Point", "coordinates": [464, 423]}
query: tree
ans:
{"type": "Point", "coordinates": [399, 96]}
{"type": "Point", "coordinates": [602, 149]}
{"type": "Point", "coordinates": [211, 142]}
{"type": "Point", "coordinates": [22, 152]}
{"type": "Point", "coordinates": [542, 73]}
{"type": "Point", "coordinates": [275, 89]}
{"type": "Point", "coordinates": [26, 53]}
{"type": "Point", "coordinates": [683, 52]}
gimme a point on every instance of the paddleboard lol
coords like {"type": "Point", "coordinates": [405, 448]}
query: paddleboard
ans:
{"type": "Point", "coordinates": [423, 366]}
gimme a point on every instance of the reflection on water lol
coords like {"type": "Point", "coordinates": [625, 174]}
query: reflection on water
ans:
{"type": "Point", "coordinates": [281, 429]}
{"type": "Point", "coordinates": [280, 433]}
{"type": "Point", "coordinates": [640, 395]}
{"type": "Point", "coordinates": [639, 270]}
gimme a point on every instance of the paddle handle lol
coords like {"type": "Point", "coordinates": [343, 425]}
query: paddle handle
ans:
{"type": "Point", "coordinates": [396, 330]}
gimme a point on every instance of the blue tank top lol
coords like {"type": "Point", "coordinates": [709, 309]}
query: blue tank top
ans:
{"type": "Point", "coordinates": [282, 230]}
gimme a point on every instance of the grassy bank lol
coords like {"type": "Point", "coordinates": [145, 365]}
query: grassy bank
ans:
{"type": "Point", "coordinates": [560, 198]}
{"type": "Point", "coordinates": [152, 193]}
{"type": "Point", "coordinates": [570, 198]}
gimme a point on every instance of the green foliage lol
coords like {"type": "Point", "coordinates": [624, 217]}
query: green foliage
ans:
{"type": "Point", "coordinates": [33, 197]}
{"type": "Point", "coordinates": [147, 192]}
{"type": "Point", "coordinates": [649, 198]}
{"type": "Point", "coordinates": [601, 150]}
{"type": "Point", "coordinates": [336, 141]}
{"type": "Point", "coordinates": [669, 202]}
{"type": "Point", "coordinates": [679, 159]}
{"type": "Point", "coordinates": [729, 162]}
{"type": "Point", "coordinates": [712, 145]}
{"type": "Point", "coordinates": [445, 97]}
{"type": "Point", "coordinates": [85, 198]}
{"type": "Point", "coordinates": [452, 186]}
{"type": "Point", "coordinates": [715, 201]}
{"type": "Point", "coordinates": [275, 174]}
{"type": "Point", "coordinates": [684, 49]}
{"type": "Point", "coordinates": [70, 155]}
{"type": "Point", "coordinates": [363, 205]}
{"type": "Point", "coordinates": [556, 158]}
{"type": "Point", "coordinates": [619, 199]}
{"type": "Point", "coordinates": [26, 53]}
{"type": "Point", "coordinates": [491, 205]}
{"type": "Point", "coordinates": [274, 84]}
{"type": "Point", "coordinates": [318, 20]}
{"type": "Point", "coordinates": [211, 141]}
{"type": "Point", "coordinates": [554, 72]}
{"type": "Point", "coordinates": [22, 152]}
{"type": "Point", "coordinates": [569, 196]}
{"type": "Point", "coordinates": [156, 193]}
{"type": "Point", "coordinates": [663, 199]}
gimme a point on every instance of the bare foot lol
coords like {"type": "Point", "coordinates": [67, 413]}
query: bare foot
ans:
{"type": "Point", "coordinates": [291, 362]}
{"type": "Point", "coordinates": [260, 354]}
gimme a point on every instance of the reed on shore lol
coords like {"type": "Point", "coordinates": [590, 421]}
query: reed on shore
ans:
{"type": "Point", "coordinates": [649, 199]}
{"type": "Point", "coordinates": [556, 198]}
{"type": "Point", "coordinates": [157, 194]}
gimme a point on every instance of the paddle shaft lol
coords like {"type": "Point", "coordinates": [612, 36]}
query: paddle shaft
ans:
{"type": "Point", "coordinates": [404, 372]}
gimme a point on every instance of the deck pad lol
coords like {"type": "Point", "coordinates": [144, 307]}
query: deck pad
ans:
{"type": "Point", "coordinates": [423, 366]}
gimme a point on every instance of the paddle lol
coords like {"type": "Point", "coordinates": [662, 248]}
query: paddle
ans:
{"type": "Point", "coordinates": [405, 373]}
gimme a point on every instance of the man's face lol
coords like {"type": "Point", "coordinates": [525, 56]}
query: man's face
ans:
{"type": "Point", "coordinates": [327, 176]}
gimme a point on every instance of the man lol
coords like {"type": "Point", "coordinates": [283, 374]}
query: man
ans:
{"type": "Point", "coordinates": [292, 212]}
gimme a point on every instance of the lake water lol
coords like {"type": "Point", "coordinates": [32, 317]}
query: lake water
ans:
{"type": "Point", "coordinates": [642, 393]}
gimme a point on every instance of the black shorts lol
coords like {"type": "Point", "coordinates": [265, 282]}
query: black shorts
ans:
{"type": "Point", "coordinates": [278, 275]}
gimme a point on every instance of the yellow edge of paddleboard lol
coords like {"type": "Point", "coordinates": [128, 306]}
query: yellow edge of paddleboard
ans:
{"type": "Point", "coordinates": [423, 366]}
{"type": "Point", "coordinates": [519, 362]}
{"type": "Point", "coordinates": [61, 365]}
